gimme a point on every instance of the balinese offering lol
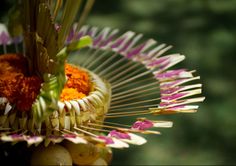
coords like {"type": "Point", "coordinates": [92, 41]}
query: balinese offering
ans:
{"type": "Point", "coordinates": [72, 111]}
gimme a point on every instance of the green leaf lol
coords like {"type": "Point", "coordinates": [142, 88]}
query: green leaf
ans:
{"type": "Point", "coordinates": [83, 42]}
{"type": "Point", "coordinates": [15, 21]}
{"type": "Point", "coordinates": [71, 8]}
{"type": "Point", "coordinates": [47, 99]}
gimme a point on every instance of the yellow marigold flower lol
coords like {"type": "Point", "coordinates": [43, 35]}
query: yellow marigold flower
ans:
{"type": "Point", "coordinates": [71, 94]}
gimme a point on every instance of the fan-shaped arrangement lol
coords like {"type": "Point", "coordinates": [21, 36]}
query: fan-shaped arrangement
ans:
{"type": "Point", "coordinates": [45, 98]}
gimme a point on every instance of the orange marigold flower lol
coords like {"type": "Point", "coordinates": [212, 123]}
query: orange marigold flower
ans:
{"type": "Point", "coordinates": [15, 85]}
{"type": "Point", "coordinates": [9, 85]}
{"type": "Point", "coordinates": [77, 85]}
{"type": "Point", "coordinates": [29, 89]}
{"type": "Point", "coordinates": [77, 79]}
{"type": "Point", "coordinates": [71, 94]}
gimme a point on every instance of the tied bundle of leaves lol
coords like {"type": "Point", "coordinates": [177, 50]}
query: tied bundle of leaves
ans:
{"type": "Point", "coordinates": [46, 25]}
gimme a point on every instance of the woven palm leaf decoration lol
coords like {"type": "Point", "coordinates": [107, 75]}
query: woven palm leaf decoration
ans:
{"type": "Point", "coordinates": [46, 100]}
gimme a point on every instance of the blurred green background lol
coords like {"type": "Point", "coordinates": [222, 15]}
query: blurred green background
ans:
{"type": "Point", "coordinates": [204, 31]}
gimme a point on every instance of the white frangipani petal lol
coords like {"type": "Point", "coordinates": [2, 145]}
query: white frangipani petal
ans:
{"type": "Point", "coordinates": [163, 124]}
{"type": "Point", "coordinates": [75, 139]}
{"type": "Point", "coordinates": [118, 144]}
{"type": "Point", "coordinates": [135, 139]}
{"type": "Point", "coordinates": [34, 140]}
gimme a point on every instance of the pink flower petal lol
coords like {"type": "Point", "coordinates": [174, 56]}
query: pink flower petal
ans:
{"type": "Point", "coordinates": [142, 125]}
{"type": "Point", "coordinates": [119, 135]}
{"type": "Point", "coordinates": [107, 140]}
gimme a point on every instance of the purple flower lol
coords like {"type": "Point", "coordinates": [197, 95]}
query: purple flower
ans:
{"type": "Point", "coordinates": [107, 140]}
{"type": "Point", "coordinates": [4, 38]}
{"type": "Point", "coordinates": [173, 96]}
{"type": "Point", "coordinates": [17, 136]}
{"type": "Point", "coordinates": [142, 125]}
{"type": "Point", "coordinates": [69, 135]}
{"type": "Point", "coordinates": [119, 135]}
{"type": "Point", "coordinates": [170, 74]}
